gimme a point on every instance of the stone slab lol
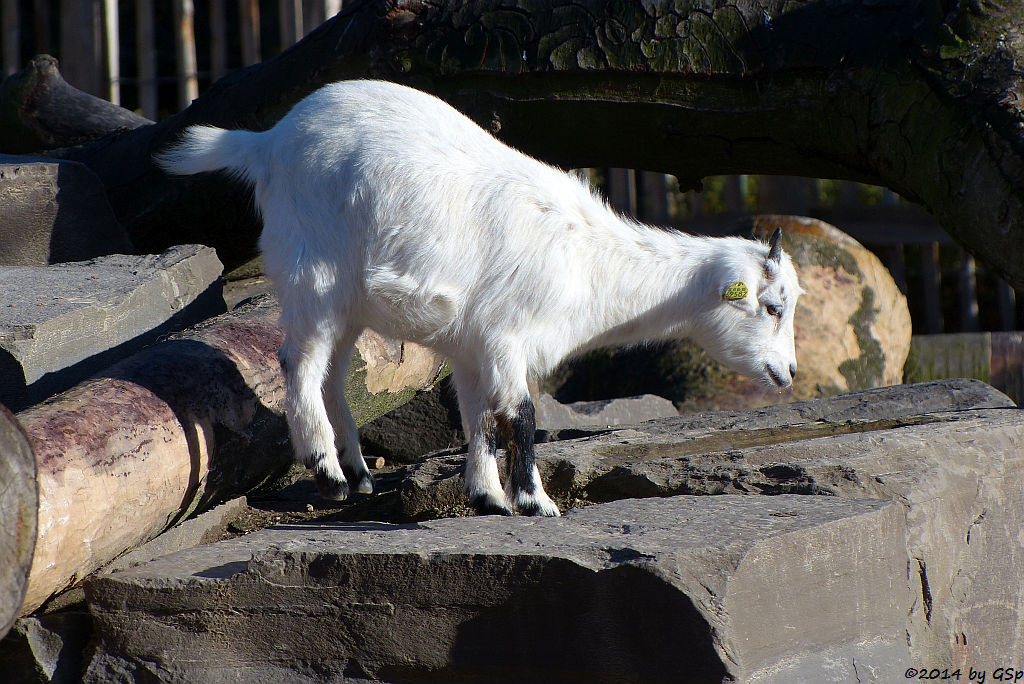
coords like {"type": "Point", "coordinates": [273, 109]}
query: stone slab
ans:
{"type": "Point", "coordinates": [61, 323]}
{"type": "Point", "coordinates": [950, 452]}
{"type": "Point", "coordinates": [681, 589]}
{"type": "Point", "coordinates": [554, 415]}
{"type": "Point", "coordinates": [54, 210]}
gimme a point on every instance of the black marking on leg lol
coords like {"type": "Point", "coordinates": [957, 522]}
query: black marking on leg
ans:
{"type": "Point", "coordinates": [486, 505]}
{"type": "Point", "coordinates": [517, 432]}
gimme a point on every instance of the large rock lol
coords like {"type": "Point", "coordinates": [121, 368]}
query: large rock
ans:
{"type": "Point", "coordinates": [61, 323]}
{"type": "Point", "coordinates": [684, 589]}
{"type": "Point", "coordinates": [950, 452]}
{"type": "Point", "coordinates": [852, 325]}
{"type": "Point", "coordinates": [54, 210]}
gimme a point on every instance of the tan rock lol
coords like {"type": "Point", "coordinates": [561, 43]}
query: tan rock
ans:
{"type": "Point", "coordinates": [853, 325]}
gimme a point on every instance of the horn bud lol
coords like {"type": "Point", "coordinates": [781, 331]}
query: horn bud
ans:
{"type": "Point", "coordinates": [775, 246]}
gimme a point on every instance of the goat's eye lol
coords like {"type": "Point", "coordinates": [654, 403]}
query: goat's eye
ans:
{"type": "Point", "coordinates": [773, 309]}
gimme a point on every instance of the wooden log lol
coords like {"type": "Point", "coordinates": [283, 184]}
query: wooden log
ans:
{"type": "Point", "coordinates": [18, 501]}
{"type": "Point", "coordinates": [187, 423]}
{"type": "Point", "coordinates": [40, 110]}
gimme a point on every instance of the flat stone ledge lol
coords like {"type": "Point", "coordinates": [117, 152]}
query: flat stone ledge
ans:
{"type": "Point", "coordinates": [950, 452]}
{"type": "Point", "coordinates": [554, 415]}
{"type": "Point", "coordinates": [684, 589]}
{"type": "Point", "coordinates": [61, 323]}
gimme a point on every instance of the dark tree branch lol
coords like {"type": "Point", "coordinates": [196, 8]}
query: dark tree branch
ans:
{"type": "Point", "coordinates": [923, 97]}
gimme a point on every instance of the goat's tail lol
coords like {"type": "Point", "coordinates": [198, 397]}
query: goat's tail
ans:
{"type": "Point", "coordinates": [208, 148]}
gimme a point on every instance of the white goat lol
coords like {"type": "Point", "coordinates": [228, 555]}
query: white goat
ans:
{"type": "Point", "coordinates": [384, 207]}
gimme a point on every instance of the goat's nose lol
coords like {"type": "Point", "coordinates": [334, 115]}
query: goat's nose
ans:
{"type": "Point", "coordinates": [792, 371]}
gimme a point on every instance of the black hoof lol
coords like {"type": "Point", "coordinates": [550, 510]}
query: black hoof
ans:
{"type": "Point", "coordinates": [331, 489]}
{"type": "Point", "coordinates": [363, 480]}
{"type": "Point", "coordinates": [486, 505]}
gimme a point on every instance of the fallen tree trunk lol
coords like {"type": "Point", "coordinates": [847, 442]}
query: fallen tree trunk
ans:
{"type": "Point", "coordinates": [40, 110]}
{"type": "Point", "coordinates": [19, 499]}
{"type": "Point", "coordinates": [187, 423]}
{"type": "Point", "coordinates": [920, 97]}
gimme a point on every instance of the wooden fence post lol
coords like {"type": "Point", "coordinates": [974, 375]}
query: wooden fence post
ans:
{"type": "Point", "coordinates": [185, 47]}
{"type": "Point", "coordinates": [145, 58]}
{"type": "Point", "coordinates": [111, 50]}
{"type": "Point", "coordinates": [11, 36]}
{"type": "Point", "coordinates": [250, 17]}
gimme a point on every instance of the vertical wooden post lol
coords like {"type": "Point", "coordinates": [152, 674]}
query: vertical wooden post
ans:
{"type": "Point", "coordinates": [250, 17]}
{"type": "Point", "coordinates": [112, 51]}
{"type": "Point", "coordinates": [314, 13]}
{"type": "Point", "coordinates": [145, 58]}
{"type": "Point", "coordinates": [290, 12]}
{"type": "Point", "coordinates": [622, 190]}
{"type": "Point", "coordinates": [218, 40]}
{"type": "Point", "coordinates": [185, 47]}
{"type": "Point", "coordinates": [968, 293]}
{"type": "Point", "coordinates": [41, 27]}
{"type": "Point", "coordinates": [653, 197]}
{"type": "Point", "coordinates": [931, 284]}
{"type": "Point", "coordinates": [1006, 305]}
{"type": "Point", "coordinates": [80, 54]}
{"type": "Point", "coordinates": [896, 263]}
{"type": "Point", "coordinates": [733, 195]}
{"type": "Point", "coordinates": [11, 36]}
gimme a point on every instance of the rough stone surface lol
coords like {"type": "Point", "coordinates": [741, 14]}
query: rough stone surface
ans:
{"type": "Point", "coordinates": [553, 415]}
{"type": "Point", "coordinates": [428, 422]}
{"type": "Point", "coordinates": [61, 323]}
{"type": "Point", "coordinates": [682, 589]}
{"type": "Point", "coordinates": [951, 452]}
{"type": "Point", "coordinates": [54, 210]}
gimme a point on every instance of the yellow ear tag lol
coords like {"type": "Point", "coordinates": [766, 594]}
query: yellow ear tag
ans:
{"type": "Point", "coordinates": [737, 290]}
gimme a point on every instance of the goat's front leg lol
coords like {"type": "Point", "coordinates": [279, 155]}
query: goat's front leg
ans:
{"type": "Point", "coordinates": [482, 484]}
{"type": "Point", "coordinates": [523, 487]}
{"type": "Point", "coordinates": [349, 454]}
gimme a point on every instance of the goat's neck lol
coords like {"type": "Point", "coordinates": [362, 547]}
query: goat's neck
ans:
{"type": "Point", "coordinates": [646, 285]}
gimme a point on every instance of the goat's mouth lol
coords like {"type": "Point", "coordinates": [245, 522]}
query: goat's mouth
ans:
{"type": "Point", "coordinates": [775, 377]}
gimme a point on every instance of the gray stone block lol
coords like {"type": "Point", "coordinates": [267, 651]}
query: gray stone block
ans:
{"type": "Point", "coordinates": [683, 589]}
{"type": "Point", "coordinates": [54, 210]}
{"type": "Point", "coordinates": [950, 452]}
{"type": "Point", "coordinates": [59, 324]}
{"type": "Point", "coordinates": [554, 415]}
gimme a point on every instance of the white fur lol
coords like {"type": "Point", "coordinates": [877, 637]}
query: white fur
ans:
{"type": "Point", "coordinates": [384, 207]}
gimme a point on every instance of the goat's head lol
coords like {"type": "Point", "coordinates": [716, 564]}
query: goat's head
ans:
{"type": "Point", "coordinates": [750, 327]}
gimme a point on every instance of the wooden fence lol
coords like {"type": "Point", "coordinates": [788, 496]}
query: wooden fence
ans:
{"type": "Point", "coordinates": [155, 57]}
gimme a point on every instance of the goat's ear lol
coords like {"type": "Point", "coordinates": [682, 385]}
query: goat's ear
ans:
{"type": "Point", "coordinates": [737, 294]}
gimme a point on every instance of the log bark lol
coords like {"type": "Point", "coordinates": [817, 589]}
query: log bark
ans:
{"type": "Point", "coordinates": [18, 501]}
{"type": "Point", "coordinates": [187, 423]}
{"type": "Point", "coordinates": [922, 97]}
{"type": "Point", "coordinates": [40, 110]}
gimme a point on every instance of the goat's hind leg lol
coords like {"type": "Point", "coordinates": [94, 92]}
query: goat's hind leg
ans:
{"type": "Point", "coordinates": [523, 486]}
{"type": "Point", "coordinates": [304, 360]}
{"type": "Point", "coordinates": [353, 465]}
